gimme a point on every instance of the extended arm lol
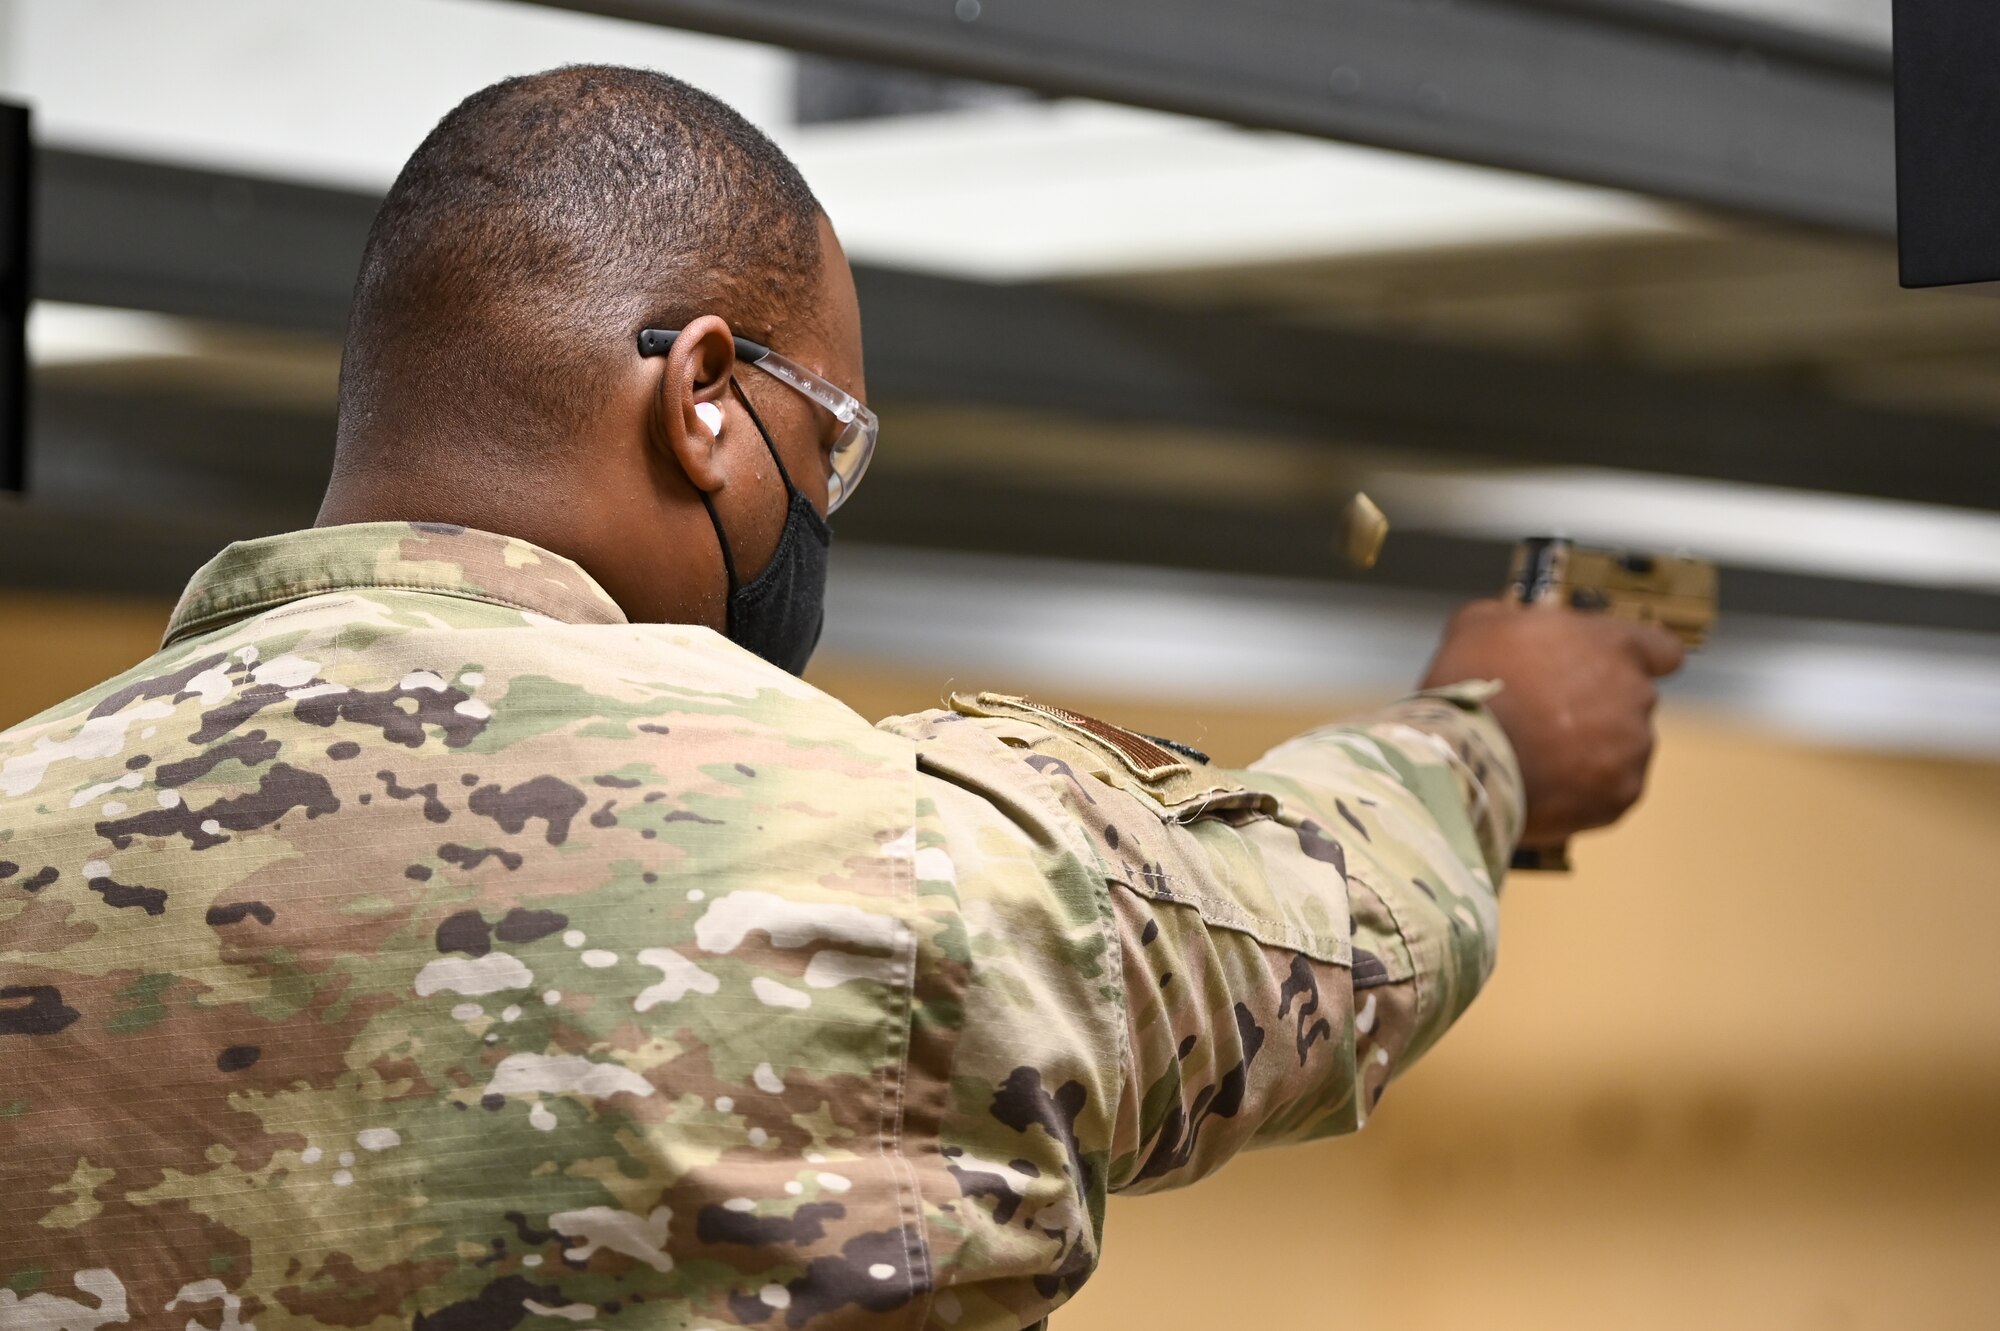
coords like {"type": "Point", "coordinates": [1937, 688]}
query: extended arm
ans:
{"type": "Point", "coordinates": [1156, 963]}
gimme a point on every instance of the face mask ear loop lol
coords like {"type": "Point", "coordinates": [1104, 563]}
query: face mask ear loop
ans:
{"type": "Point", "coordinates": [769, 446]}
{"type": "Point", "coordinates": [721, 539]}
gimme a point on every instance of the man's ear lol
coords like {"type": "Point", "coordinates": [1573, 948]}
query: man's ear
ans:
{"type": "Point", "coordinates": [692, 403]}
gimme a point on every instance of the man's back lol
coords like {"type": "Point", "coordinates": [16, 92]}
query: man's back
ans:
{"type": "Point", "coordinates": [337, 924]}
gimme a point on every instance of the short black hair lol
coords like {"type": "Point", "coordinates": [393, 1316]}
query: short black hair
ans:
{"type": "Point", "coordinates": [536, 230]}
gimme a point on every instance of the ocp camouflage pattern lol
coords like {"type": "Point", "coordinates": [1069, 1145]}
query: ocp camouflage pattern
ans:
{"type": "Point", "coordinates": [415, 942]}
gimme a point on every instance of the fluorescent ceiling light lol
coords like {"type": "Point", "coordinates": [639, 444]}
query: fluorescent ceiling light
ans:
{"type": "Point", "coordinates": [1876, 540]}
{"type": "Point", "coordinates": [60, 334]}
{"type": "Point", "coordinates": [135, 350]}
{"type": "Point", "coordinates": [1856, 20]}
{"type": "Point", "coordinates": [1070, 189]}
{"type": "Point", "coordinates": [334, 93]}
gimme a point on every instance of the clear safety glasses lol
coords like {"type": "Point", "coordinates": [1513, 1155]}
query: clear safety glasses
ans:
{"type": "Point", "coordinates": [858, 425]}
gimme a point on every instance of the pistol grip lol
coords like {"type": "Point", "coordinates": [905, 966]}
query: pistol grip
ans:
{"type": "Point", "coordinates": [1543, 859]}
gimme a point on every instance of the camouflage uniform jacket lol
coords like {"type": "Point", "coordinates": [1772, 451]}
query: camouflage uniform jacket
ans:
{"type": "Point", "coordinates": [415, 941]}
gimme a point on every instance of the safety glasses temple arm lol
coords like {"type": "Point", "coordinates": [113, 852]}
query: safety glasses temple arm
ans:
{"type": "Point", "coordinates": [659, 341]}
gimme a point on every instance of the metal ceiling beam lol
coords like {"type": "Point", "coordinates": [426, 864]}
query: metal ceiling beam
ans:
{"type": "Point", "coordinates": [239, 249]}
{"type": "Point", "coordinates": [1639, 94]}
{"type": "Point", "coordinates": [198, 243]}
{"type": "Point", "coordinates": [932, 338]}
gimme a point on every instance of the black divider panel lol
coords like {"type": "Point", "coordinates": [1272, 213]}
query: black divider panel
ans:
{"type": "Point", "coordinates": [16, 182]}
{"type": "Point", "coordinates": [1948, 140]}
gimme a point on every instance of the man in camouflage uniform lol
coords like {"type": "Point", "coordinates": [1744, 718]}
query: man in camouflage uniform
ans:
{"type": "Point", "coordinates": [455, 926]}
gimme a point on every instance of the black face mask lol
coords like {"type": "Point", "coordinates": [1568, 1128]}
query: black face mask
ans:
{"type": "Point", "coordinates": [779, 614]}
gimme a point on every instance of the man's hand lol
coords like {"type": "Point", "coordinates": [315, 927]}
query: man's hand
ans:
{"type": "Point", "coordinates": [1578, 704]}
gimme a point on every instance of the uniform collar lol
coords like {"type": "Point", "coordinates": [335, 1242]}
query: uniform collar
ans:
{"type": "Point", "coordinates": [253, 576]}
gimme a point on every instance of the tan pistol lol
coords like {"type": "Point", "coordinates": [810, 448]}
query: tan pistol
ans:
{"type": "Point", "coordinates": [1674, 591]}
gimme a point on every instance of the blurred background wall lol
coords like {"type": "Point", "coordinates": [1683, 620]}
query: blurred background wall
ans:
{"type": "Point", "coordinates": [1738, 1070]}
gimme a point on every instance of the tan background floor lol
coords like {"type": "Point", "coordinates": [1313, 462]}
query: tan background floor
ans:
{"type": "Point", "coordinates": [1742, 1070]}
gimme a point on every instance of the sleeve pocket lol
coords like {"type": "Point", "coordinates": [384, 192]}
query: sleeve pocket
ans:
{"type": "Point", "coordinates": [1173, 829]}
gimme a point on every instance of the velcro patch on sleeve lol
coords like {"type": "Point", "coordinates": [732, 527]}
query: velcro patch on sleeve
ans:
{"type": "Point", "coordinates": [1168, 778]}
